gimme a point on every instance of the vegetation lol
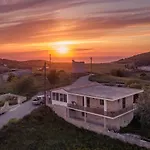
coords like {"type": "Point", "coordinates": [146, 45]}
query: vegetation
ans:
{"type": "Point", "coordinates": [119, 73]}
{"type": "Point", "coordinates": [134, 84]}
{"type": "Point", "coordinates": [11, 77]}
{"type": "Point", "coordinates": [53, 77]}
{"type": "Point", "coordinates": [2, 102]}
{"type": "Point", "coordinates": [137, 60]}
{"type": "Point", "coordinates": [24, 86]}
{"type": "Point", "coordinates": [141, 122]}
{"type": "Point", "coordinates": [43, 130]}
{"type": "Point", "coordinates": [144, 110]}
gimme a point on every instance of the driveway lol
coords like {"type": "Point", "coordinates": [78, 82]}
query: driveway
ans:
{"type": "Point", "coordinates": [18, 112]}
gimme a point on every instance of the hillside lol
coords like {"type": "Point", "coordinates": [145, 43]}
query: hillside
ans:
{"type": "Point", "coordinates": [43, 130]}
{"type": "Point", "coordinates": [139, 60]}
{"type": "Point", "coordinates": [22, 64]}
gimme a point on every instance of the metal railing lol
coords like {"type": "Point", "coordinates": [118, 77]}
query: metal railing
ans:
{"type": "Point", "coordinates": [101, 111]}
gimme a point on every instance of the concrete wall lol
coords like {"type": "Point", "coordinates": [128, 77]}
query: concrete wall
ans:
{"type": "Point", "coordinates": [54, 102]}
{"type": "Point", "coordinates": [122, 121]}
{"type": "Point", "coordinates": [72, 98]}
{"type": "Point", "coordinates": [76, 114]}
{"type": "Point", "coordinates": [117, 105]}
{"type": "Point", "coordinates": [78, 67]}
{"type": "Point", "coordinates": [95, 119]}
{"type": "Point", "coordinates": [80, 100]}
{"type": "Point", "coordinates": [95, 103]}
{"type": "Point", "coordinates": [5, 108]}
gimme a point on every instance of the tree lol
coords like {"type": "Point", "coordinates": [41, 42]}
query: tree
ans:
{"type": "Point", "coordinates": [143, 110]}
{"type": "Point", "coordinates": [11, 77]}
{"type": "Point", "coordinates": [53, 77]}
{"type": "Point", "coordinates": [24, 86]}
{"type": "Point", "coordinates": [118, 72]}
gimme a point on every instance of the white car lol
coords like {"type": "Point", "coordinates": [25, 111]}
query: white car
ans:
{"type": "Point", "coordinates": [39, 100]}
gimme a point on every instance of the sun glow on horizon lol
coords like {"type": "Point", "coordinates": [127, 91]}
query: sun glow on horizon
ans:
{"type": "Point", "coordinates": [62, 50]}
{"type": "Point", "coordinates": [62, 47]}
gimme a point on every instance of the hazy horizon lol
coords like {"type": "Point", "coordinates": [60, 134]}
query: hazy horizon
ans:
{"type": "Point", "coordinates": [44, 55]}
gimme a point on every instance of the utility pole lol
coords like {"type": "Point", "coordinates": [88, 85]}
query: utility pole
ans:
{"type": "Point", "coordinates": [91, 65]}
{"type": "Point", "coordinates": [50, 60]}
{"type": "Point", "coordinates": [45, 77]}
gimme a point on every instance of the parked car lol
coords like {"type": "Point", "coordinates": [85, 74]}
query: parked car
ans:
{"type": "Point", "coordinates": [39, 100]}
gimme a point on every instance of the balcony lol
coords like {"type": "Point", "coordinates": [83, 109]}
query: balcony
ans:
{"type": "Point", "coordinates": [100, 111]}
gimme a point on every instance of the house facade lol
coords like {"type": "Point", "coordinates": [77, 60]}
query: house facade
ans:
{"type": "Point", "coordinates": [107, 107]}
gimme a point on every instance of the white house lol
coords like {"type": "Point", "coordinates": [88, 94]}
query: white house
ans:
{"type": "Point", "coordinates": [107, 107]}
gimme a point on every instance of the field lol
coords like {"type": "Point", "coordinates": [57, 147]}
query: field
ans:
{"type": "Point", "coordinates": [97, 68]}
{"type": "Point", "coordinates": [43, 130]}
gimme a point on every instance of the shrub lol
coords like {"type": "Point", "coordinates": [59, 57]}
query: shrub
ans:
{"type": "Point", "coordinates": [11, 77]}
{"type": "Point", "coordinates": [13, 120]}
{"type": "Point", "coordinates": [24, 86]}
{"type": "Point", "coordinates": [2, 103]}
{"type": "Point", "coordinates": [134, 84]}
{"type": "Point", "coordinates": [119, 72]}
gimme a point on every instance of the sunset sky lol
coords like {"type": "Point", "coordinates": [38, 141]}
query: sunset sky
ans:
{"type": "Point", "coordinates": [74, 29]}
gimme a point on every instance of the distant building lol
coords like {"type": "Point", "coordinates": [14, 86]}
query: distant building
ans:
{"type": "Point", "coordinates": [78, 67]}
{"type": "Point", "coordinates": [3, 69]}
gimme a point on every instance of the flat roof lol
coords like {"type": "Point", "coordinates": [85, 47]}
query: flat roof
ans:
{"type": "Point", "coordinates": [103, 92]}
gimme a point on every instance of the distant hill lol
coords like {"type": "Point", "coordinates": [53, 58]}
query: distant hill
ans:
{"type": "Point", "coordinates": [138, 60]}
{"type": "Point", "coordinates": [21, 64]}
{"type": "Point", "coordinates": [31, 64]}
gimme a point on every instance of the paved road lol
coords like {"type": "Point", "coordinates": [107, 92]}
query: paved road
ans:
{"type": "Point", "coordinates": [25, 108]}
{"type": "Point", "coordinates": [18, 112]}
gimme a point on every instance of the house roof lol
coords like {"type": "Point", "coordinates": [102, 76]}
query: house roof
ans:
{"type": "Point", "coordinates": [103, 92]}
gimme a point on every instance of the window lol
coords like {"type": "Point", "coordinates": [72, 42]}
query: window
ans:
{"type": "Point", "coordinates": [123, 103]}
{"type": "Point", "coordinates": [65, 98]}
{"type": "Point", "coordinates": [101, 102]}
{"type": "Point", "coordinates": [61, 97]}
{"type": "Point", "coordinates": [54, 96]}
{"type": "Point", "coordinates": [57, 96]}
{"type": "Point", "coordinates": [135, 98]}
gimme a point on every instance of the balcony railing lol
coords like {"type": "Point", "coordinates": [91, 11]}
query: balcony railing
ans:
{"type": "Point", "coordinates": [101, 111]}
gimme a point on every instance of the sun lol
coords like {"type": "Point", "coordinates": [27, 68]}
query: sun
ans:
{"type": "Point", "coordinates": [62, 50]}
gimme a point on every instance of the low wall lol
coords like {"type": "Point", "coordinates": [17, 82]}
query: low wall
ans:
{"type": "Point", "coordinates": [61, 111]}
{"type": "Point", "coordinates": [20, 99]}
{"type": "Point", "coordinates": [5, 108]}
{"type": "Point", "coordinates": [129, 139]}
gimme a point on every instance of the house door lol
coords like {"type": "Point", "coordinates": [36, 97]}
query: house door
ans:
{"type": "Point", "coordinates": [88, 101]}
{"type": "Point", "coordinates": [83, 101]}
{"type": "Point", "coordinates": [123, 103]}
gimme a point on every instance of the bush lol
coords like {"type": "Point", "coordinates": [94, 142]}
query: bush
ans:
{"type": "Point", "coordinates": [24, 86]}
{"type": "Point", "coordinates": [11, 77]}
{"type": "Point", "coordinates": [13, 120]}
{"type": "Point", "coordinates": [119, 73]}
{"type": "Point", "coordinates": [2, 103]}
{"type": "Point", "coordinates": [134, 84]}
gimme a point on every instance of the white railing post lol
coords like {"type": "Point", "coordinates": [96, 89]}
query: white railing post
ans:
{"type": "Point", "coordinates": [85, 105]}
